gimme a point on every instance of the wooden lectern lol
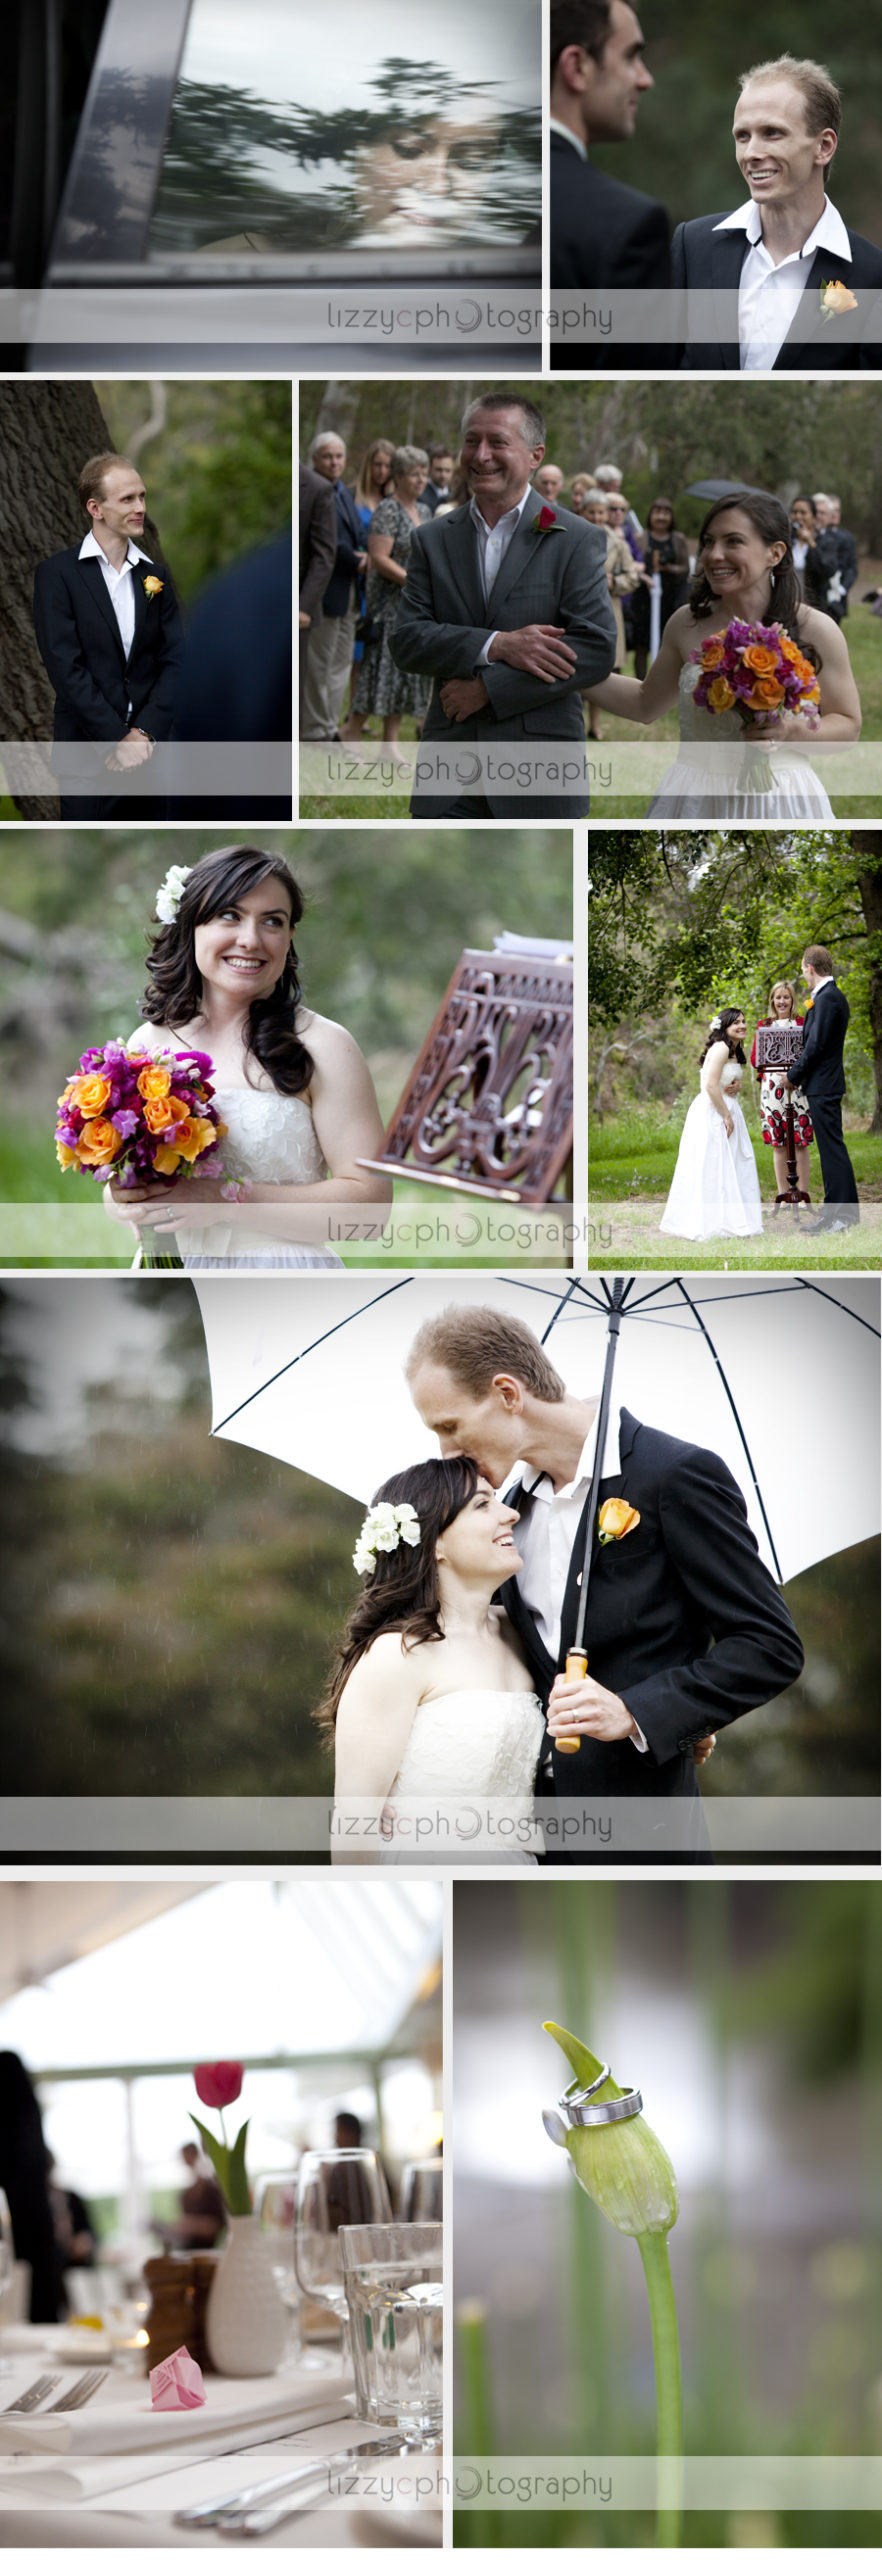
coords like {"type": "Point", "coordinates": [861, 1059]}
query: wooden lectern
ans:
{"type": "Point", "coordinates": [488, 1108]}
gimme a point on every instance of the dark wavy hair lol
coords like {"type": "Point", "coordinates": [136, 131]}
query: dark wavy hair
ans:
{"type": "Point", "coordinates": [175, 992]}
{"type": "Point", "coordinates": [728, 1013]}
{"type": "Point", "coordinates": [772, 522]}
{"type": "Point", "coordinates": [402, 1594]}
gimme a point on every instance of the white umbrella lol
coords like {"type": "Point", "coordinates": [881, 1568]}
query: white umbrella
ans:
{"type": "Point", "coordinates": [779, 1376]}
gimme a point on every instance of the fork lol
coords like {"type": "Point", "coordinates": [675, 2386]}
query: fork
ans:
{"type": "Point", "coordinates": [31, 2398]}
{"type": "Point", "coordinates": [79, 2393]}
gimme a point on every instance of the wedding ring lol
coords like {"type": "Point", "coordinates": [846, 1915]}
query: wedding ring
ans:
{"type": "Point", "coordinates": [576, 2110]}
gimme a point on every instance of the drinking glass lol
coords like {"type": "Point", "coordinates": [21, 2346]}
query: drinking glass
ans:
{"type": "Point", "coordinates": [394, 2291]}
{"type": "Point", "coordinates": [275, 2205]}
{"type": "Point", "coordinates": [333, 2188]}
{"type": "Point", "coordinates": [422, 2191]}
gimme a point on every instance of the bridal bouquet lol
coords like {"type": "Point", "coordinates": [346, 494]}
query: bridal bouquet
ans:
{"type": "Point", "coordinates": [140, 1118]}
{"type": "Point", "coordinates": [756, 670]}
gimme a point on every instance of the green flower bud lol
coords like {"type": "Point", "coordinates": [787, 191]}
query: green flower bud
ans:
{"type": "Point", "coordinates": [623, 2167]}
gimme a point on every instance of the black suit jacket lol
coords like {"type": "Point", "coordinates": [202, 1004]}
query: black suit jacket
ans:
{"type": "Point", "coordinates": [351, 538]}
{"type": "Point", "coordinates": [604, 236]}
{"type": "Point", "coordinates": [706, 260]}
{"type": "Point", "coordinates": [820, 1066]}
{"type": "Point", "coordinates": [684, 1622]}
{"type": "Point", "coordinates": [79, 643]}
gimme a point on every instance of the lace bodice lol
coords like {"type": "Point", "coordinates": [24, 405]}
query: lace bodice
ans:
{"type": "Point", "coordinates": [270, 1136]}
{"type": "Point", "coordinates": [483, 1741]}
{"type": "Point", "coordinates": [732, 1076]}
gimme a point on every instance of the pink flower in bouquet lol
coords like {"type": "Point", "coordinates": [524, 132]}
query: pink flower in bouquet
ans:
{"type": "Point", "coordinates": [218, 2083]}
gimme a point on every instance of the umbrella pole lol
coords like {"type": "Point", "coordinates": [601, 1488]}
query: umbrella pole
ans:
{"type": "Point", "coordinates": [577, 1659]}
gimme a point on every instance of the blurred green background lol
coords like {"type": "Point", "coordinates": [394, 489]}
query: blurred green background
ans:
{"type": "Point", "coordinates": [386, 920]}
{"type": "Point", "coordinates": [171, 1601]}
{"type": "Point", "coordinates": [682, 149]}
{"type": "Point", "coordinates": [750, 2015]}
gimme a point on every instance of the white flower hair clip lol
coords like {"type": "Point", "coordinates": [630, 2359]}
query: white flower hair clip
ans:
{"type": "Point", "coordinates": [716, 1023]}
{"type": "Point", "coordinates": [168, 897]}
{"type": "Point", "coordinates": [386, 1526]}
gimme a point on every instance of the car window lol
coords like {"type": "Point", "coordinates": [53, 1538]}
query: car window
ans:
{"type": "Point", "coordinates": [358, 130]}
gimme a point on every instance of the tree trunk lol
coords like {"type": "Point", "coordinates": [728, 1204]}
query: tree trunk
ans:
{"type": "Point", "coordinates": [47, 432]}
{"type": "Point", "coordinates": [867, 849]}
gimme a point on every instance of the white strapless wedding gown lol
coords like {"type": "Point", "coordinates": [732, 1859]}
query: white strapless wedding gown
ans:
{"type": "Point", "coordinates": [715, 1190]}
{"type": "Point", "coordinates": [471, 1759]}
{"type": "Point", "coordinates": [270, 1138]}
{"type": "Point", "coordinates": [713, 786]}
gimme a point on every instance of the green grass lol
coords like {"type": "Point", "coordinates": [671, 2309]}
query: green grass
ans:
{"type": "Point", "coordinates": [353, 804]}
{"type": "Point", "coordinates": [631, 1160]}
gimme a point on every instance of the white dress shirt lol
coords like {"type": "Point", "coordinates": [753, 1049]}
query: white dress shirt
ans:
{"type": "Point", "coordinates": [769, 296]}
{"type": "Point", "coordinates": [492, 544]}
{"type": "Point", "coordinates": [546, 1534]}
{"type": "Point", "coordinates": [120, 584]}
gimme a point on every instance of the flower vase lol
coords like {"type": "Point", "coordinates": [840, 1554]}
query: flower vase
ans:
{"type": "Point", "coordinates": [245, 2314]}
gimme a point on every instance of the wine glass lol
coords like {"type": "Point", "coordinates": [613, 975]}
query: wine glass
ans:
{"type": "Point", "coordinates": [422, 2191]}
{"type": "Point", "coordinates": [333, 2188]}
{"type": "Point", "coordinates": [275, 2206]}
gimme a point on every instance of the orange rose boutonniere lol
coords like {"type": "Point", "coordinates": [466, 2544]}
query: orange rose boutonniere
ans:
{"type": "Point", "coordinates": [153, 586]}
{"type": "Point", "coordinates": [615, 1520]}
{"type": "Point", "coordinates": [836, 298]}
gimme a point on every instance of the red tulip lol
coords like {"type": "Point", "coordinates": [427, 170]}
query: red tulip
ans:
{"type": "Point", "coordinates": [218, 2083]}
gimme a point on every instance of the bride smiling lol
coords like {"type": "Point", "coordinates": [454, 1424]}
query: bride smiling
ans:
{"type": "Point", "coordinates": [293, 1089]}
{"type": "Point", "coordinates": [430, 1707]}
{"type": "Point", "coordinates": [745, 571]}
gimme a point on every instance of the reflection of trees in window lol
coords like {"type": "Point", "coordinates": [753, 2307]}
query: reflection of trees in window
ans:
{"type": "Point", "coordinates": [217, 182]}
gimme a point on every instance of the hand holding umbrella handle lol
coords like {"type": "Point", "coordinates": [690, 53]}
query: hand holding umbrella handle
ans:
{"type": "Point", "coordinates": [576, 1669]}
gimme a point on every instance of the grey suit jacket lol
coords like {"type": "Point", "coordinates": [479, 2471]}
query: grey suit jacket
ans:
{"type": "Point", "coordinates": [557, 576]}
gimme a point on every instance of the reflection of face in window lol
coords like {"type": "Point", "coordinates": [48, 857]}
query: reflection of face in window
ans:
{"type": "Point", "coordinates": [430, 177]}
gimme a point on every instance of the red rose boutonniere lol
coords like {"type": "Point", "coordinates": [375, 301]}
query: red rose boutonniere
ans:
{"type": "Point", "coordinates": [546, 521]}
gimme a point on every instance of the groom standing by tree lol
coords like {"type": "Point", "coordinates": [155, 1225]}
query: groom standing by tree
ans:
{"type": "Point", "coordinates": [110, 636]}
{"type": "Point", "coordinates": [685, 1628]}
{"type": "Point", "coordinates": [820, 1070]}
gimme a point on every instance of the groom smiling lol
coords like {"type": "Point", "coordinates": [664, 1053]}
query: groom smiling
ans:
{"type": "Point", "coordinates": [808, 289]}
{"type": "Point", "coordinates": [685, 1628]}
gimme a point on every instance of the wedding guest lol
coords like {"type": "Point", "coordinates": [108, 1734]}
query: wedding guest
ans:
{"type": "Point", "coordinates": [373, 482]}
{"type": "Point", "coordinates": [580, 484]}
{"type": "Point", "coordinates": [814, 555]}
{"type": "Point", "coordinates": [380, 685]}
{"type": "Point", "coordinates": [24, 2179]}
{"type": "Point", "coordinates": [332, 633]}
{"type": "Point", "coordinates": [775, 1093]}
{"type": "Point", "coordinates": [829, 512]}
{"type": "Point", "coordinates": [664, 551]}
{"type": "Point", "coordinates": [549, 481]}
{"type": "Point", "coordinates": [441, 467]}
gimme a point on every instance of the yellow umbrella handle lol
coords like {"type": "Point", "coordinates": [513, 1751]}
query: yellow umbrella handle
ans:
{"type": "Point", "coordinates": [576, 1669]}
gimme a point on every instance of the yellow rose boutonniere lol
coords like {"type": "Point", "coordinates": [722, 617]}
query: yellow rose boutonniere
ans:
{"type": "Point", "coordinates": [153, 586]}
{"type": "Point", "coordinates": [836, 298]}
{"type": "Point", "coordinates": [616, 1519]}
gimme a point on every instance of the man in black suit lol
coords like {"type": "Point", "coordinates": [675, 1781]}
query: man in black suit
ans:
{"type": "Point", "coordinates": [437, 488]}
{"type": "Point", "coordinates": [796, 291]}
{"type": "Point", "coordinates": [109, 633]}
{"type": "Point", "coordinates": [332, 629]}
{"type": "Point", "coordinates": [318, 551]}
{"type": "Point", "coordinates": [604, 236]}
{"type": "Point", "coordinates": [685, 1628]}
{"type": "Point", "coordinates": [828, 513]}
{"type": "Point", "coordinates": [820, 1070]}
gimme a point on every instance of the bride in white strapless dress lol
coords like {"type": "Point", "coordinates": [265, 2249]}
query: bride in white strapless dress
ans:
{"type": "Point", "coordinates": [745, 572]}
{"type": "Point", "coordinates": [715, 1190]}
{"type": "Point", "coordinates": [437, 1730]}
{"type": "Point", "coordinates": [291, 1087]}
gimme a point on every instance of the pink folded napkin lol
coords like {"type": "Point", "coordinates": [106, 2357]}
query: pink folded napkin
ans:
{"type": "Point", "coordinates": [177, 2382]}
